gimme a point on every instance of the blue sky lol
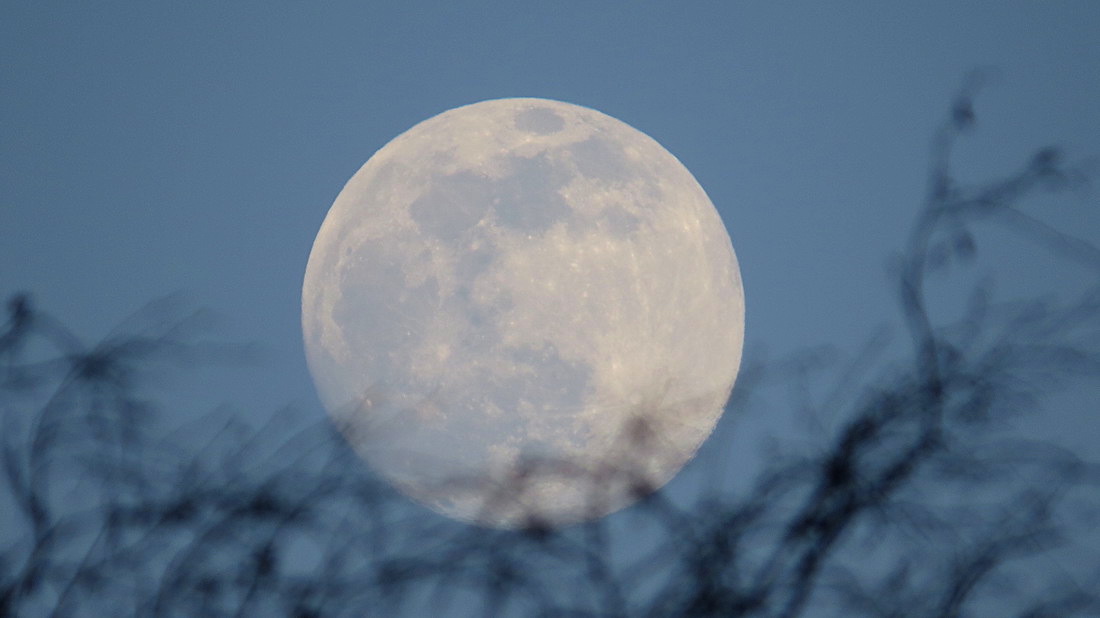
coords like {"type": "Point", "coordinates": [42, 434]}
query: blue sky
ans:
{"type": "Point", "coordinates": [148, 148]}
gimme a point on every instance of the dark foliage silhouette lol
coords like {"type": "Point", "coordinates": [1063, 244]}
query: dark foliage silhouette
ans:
{"type": "Point", "coordinates": [921, 501]}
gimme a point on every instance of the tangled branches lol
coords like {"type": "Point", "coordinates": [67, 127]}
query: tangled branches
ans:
{"type": "Point", "coordinates": [920, 503]}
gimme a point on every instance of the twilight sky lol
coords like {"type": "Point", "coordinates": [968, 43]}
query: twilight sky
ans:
{"type": "Point", "coordinates": [148, 148]}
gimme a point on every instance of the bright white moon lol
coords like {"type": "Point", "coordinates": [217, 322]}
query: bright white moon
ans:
{"type": "Point", "coordinates": [522, 311]}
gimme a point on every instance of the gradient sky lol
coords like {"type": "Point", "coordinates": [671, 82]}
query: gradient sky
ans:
{"type": "Point", "coordinates": [149, 147]}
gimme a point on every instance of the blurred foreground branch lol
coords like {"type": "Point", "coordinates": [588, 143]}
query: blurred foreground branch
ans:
{"type": "Point", "coordinates": [922, 502]}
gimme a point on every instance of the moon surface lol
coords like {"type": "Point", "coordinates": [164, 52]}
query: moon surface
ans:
{"type": "Point", "coordinates": [523, 312]}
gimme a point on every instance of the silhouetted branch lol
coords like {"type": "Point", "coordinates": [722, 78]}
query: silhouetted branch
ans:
{"type": "Point", "coordinates": [916, 499]}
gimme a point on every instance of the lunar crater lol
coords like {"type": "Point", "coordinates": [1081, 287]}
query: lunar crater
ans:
{"type": "Point", "coordinates": [453, 204]}
{"type": "Point", "coordinates": [540, 120]}
{"type": "Point", "coordinates": [529, 197]}
{"type": "Point", "coordinates": [595, 157]}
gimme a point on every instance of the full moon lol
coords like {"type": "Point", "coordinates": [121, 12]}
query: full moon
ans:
{"type": "Point", "coordinates": [523, 312]}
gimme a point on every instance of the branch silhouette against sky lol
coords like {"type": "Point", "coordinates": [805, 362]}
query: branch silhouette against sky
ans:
{"type": "Point", "coordinates": [923, 498]}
